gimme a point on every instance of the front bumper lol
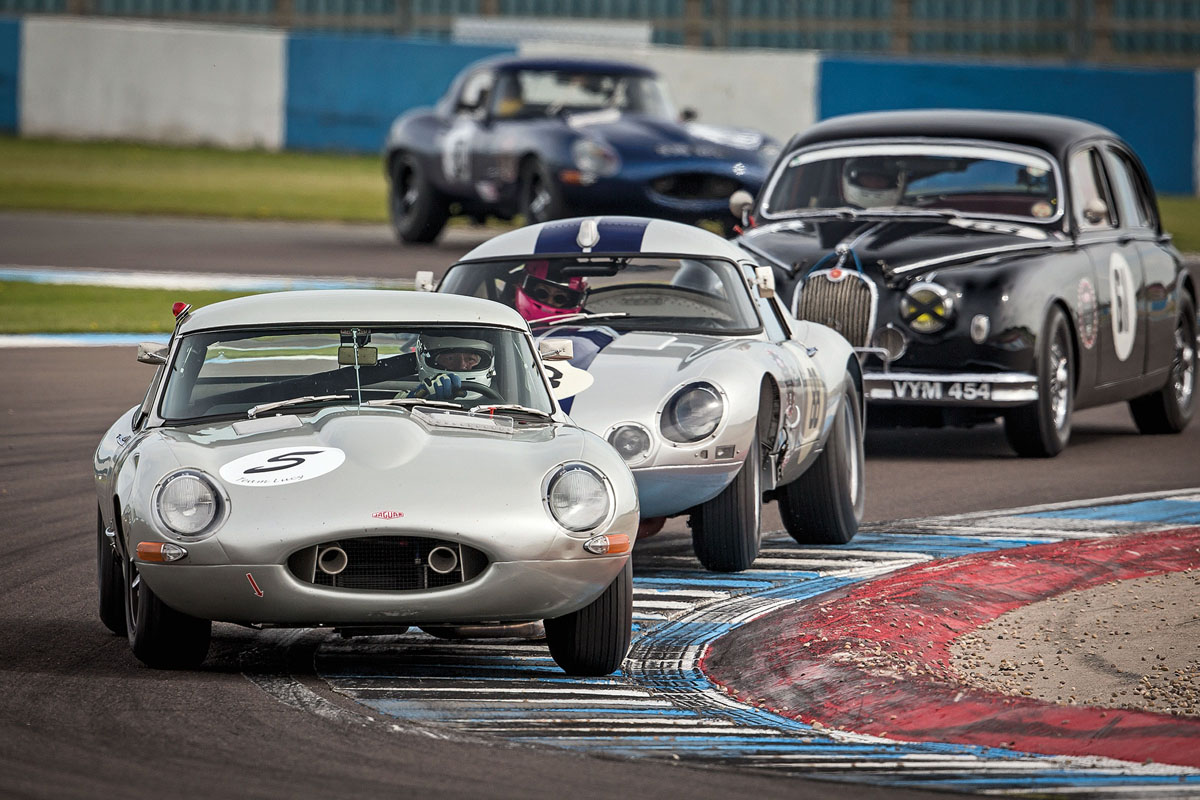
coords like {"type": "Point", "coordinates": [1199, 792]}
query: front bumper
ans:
{"type": "Point", "coordinates": [951, 389]}
{"type": "Point", "coordinates": [664, 491]}
{"type": "Point", "coordinates": [507, 591]}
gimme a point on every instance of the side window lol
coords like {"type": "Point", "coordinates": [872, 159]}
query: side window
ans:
{"type": "Point", "coordinates": [771, 323]}
{"type": "Point", "coordinates": [1088, 196]}
{"type": "Point", "coordinates": [474, 93]}
{"type": "Point", "coordinates": [1137, 207]}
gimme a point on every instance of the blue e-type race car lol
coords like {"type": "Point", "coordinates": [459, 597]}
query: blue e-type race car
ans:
{"type": "Point", "coordinates": [547, 138]}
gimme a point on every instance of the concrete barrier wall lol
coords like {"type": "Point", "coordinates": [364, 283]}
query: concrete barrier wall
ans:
{"type": "Point", "coordinates": [771, 91]}
{"type": "Point", "coordinates": [1153, 109]}
{"type": "Point", "coordinates": [344, 91]}
{"type": "Point", "coordinates": [10, 63]}
{"type": "Point", "coordinates": [188, 84]}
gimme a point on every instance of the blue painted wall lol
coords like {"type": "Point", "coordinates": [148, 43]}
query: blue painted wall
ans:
{"type": "Point", "coordinates": [344, 91]}
{"type": "Point", "coordinates": [1153, 109]}
{"type": "Point", "coordinates": [10, 67]}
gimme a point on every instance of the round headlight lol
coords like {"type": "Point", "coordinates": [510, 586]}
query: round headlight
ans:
{"type": "Point", "coordinates": [926, 307]}
{"type": "Point", "coordinates": [188, 504]}
{"type": "Point", "coordinates": [577, 497]}
{"type": "Point", "coordinates": [890, 339]}
{"type": "Point", "coordinates": [631, 441]}
{"type": "Point", "coordinates": [693, 413]}
{"type": "Point", "coordinates": [595, 157]}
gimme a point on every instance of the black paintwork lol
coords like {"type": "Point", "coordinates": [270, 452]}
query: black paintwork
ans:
{"type": "Point", "coordinates": [1015, 280]}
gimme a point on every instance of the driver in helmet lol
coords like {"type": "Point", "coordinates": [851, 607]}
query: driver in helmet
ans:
{"type": "Point", "coordinates": [538, 297]}
{"type": "Point", "coordinates": [446, 363]}
{"type": "Point", "coordinates": [872, 182]}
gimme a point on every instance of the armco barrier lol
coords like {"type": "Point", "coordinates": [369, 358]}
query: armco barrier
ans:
{"type": "Point", "coordinates": [344, 91]}
{"type": "Point", "coordinates": [1153, 109]}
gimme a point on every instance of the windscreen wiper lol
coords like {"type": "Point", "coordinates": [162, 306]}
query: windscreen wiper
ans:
{"type": "Point", "coordinates": [295, 401]}
{"type": "Point", "coordinates": [537, 412]}
{"type": "Point", "coordinates": [562, 319]}
{"type": "Point", "coordinates": [413, 401]}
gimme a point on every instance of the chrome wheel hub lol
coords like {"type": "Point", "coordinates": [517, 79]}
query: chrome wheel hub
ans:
{"type": "Point", "coordinates": [1060, 384]}
{"type": "Point", "coordinates": [1183, 370]}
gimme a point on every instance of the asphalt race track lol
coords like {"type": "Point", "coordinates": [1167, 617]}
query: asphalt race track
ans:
{"type": "Point", "coordinates": [271, 715]}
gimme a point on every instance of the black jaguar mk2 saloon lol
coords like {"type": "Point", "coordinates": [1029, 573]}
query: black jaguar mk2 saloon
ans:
{"type": "Point", "coordinates": [987, 264]}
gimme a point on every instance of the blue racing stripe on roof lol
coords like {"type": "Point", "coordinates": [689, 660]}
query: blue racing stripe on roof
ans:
{"type": "Point", "coordinates": [616, 236]}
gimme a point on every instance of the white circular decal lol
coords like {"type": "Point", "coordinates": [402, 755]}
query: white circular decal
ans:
{"type": "Point", "coordinates": [456, 151]}
{"type": "Point", "coordinates": [566, 380]}
{"type": "Point", "coordinates": [282, 465]}
{"type": "Point", "coordinates": [1124, 305]}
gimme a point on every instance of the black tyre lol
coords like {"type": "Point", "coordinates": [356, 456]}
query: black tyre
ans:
{"type": "Point", "coordinates": [160, 636]}
{"type": "Point", "coordinates": [1042, 429]}
{"type": "Point", "coordinates": [418, 211]}
{"type": "Point", "coordinates": [727, 530]}
{"type": "Point", "coordinates": [1170, 409]}
{"type": "Point", "coordinates": [109, 581]}
{"type": "Point", "coordinates": [540, 199]}
{"type": "Point", "coordinates": [825, 504]}
{"type": "Point", "coordinates": [595, 639]}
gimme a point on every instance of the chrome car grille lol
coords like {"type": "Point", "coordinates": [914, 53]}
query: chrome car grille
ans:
{"type": "Point", "coordinates": [695, 186]}
{"type": "Point", "coordinates": [389, 563]}
{"type": "Point", "coordinates": [847, 304]}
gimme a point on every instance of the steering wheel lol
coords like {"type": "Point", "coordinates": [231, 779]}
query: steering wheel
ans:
{"type": "Point", "coordinates": [483, 389]}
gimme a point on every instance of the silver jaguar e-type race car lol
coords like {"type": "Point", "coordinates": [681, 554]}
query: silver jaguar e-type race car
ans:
{"type": "Point", "coordinates": [686, 362]}
{"type": "Point", "coordinates": [366, 461]}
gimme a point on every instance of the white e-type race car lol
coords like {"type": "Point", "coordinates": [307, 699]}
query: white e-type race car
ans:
{"type": "Point", "coordinates": [686, 362]}
{"type": "Point", "coordinates": [366, 461]}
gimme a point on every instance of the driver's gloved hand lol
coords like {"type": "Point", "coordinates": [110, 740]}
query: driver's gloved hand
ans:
{"type": "Point", "coordinates": [445, 386]}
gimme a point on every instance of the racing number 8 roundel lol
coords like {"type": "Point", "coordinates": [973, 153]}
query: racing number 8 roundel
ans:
{"type": "Point", "coordinates": [1124, 305]}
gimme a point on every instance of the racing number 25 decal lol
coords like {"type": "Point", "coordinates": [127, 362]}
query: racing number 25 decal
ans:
{"type": "Point", "coordinates": [282, 465]}
{"type": "Point", "coordinates": [1124, 305]}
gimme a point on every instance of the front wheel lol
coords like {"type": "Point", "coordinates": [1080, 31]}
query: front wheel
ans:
{"type": "Point", "coordinates": [540, 197]}
{"type": "Point", "coordinates": [1170, 409]}
{"type": "Point", "coordinates": [160, 636]}
{"type": "Point", "coordinates": [824, 505]}
{"type": "Point", "coordinates": [418, 211]}
{"type": "Point", "coordinates": [727, 530]}
{"type": "Point", "coordinates": [109, 581]}
{"type": "Point", "coordinates": [595, 639]}
{"type": "Point", "coordinates": [1041, 429]}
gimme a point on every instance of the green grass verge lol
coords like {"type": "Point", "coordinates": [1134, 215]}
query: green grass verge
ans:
{"type": "Point", "coordinates": [124, 178]}
{"type": "Point", "coordinates": [1181, 216]}
{"type": "Point", "coordinates": [45, 308]}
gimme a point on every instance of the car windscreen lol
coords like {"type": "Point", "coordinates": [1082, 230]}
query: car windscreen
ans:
{"type": "Point", "coordinates": [539, 93]}
{"type": "Point", "coordinates": [229, 372]}
{"type": "Point", "coordinates": [659, 293]}
{"type": "Point", "coordinates": [973, 180]}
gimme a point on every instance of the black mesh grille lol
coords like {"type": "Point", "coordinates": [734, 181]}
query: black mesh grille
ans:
{"type": "Point", "coordinates": [695, 186]}
{"type": "Point", "coordinates": [389, 563]}
{"type": "Point", "coordinates": [844, 305]}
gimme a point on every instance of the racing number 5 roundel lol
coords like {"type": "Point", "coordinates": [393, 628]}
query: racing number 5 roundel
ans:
{"type": "Point", "coordinates": [282, 465]}
{"type": "Point", "coordinates": [1124, 305]}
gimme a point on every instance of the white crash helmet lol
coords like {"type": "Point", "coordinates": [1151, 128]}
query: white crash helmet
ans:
{"type": "Point", "coordinates": [871, 182]}
{"type": "Point", "coordinates": [469, 359]}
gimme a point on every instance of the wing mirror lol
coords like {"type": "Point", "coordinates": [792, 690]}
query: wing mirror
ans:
{"type": "Point", "coordinates": [764, 279]}
{"type": "Point", "coordinates": [152, 353]}
{"type": "Point", "coordinates": [556, 349]}
{"type": "Point", "coordinates": [741, 203]}
{"type": "Point", "coordinates": [424, 280]}
{"type": "Point", "coordinates": [1096, 211]}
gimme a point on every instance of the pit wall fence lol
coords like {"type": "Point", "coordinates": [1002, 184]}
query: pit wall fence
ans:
{"type": "Point", "coordinates": [247, 87]}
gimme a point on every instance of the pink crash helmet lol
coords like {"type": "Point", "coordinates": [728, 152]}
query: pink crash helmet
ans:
{"type": "Point", "coordinates": [538, 297]}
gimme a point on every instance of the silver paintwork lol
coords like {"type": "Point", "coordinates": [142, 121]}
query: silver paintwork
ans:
{"type": "Point", "coordinates": [400, 476]}
{"type": "Point", "coordinates": [637, 374]}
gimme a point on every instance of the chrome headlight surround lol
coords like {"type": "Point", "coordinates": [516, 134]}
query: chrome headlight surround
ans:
{"type": "Point", "coordinates": [189, 505]}
{"type": "Point", "coordinates": [927, 307]}
{"type": "Point", "coordinates": [578, 497]}
{"type": "Point", "coordinates": [693, 413]}
{"type": "Point", "coordinates": [594, 157]}
{"type": "Point", "coordinates": [627, 439]}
